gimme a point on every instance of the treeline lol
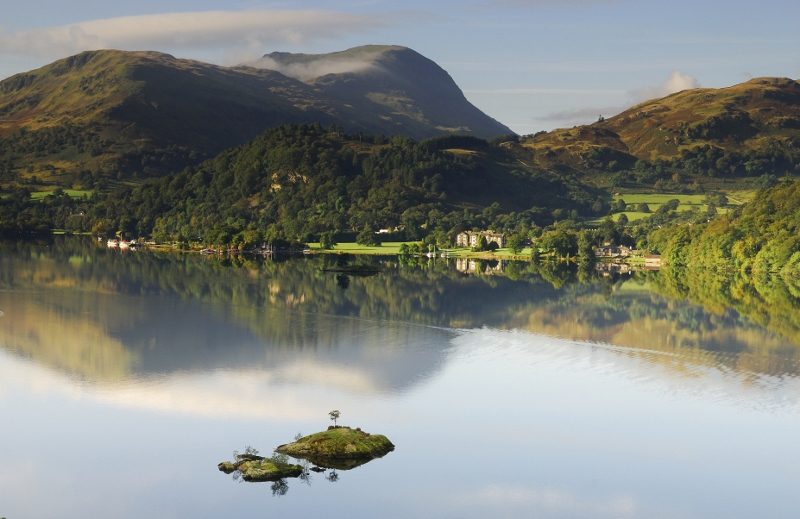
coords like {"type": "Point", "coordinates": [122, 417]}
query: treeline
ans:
{"type": "Point", "coordinates": [298, 182]}
{"type": "Point", "coordinates": [705, 161]}
{"type": "Point", "coordinates": [21, 216]}
{"type": "Point", "coordinates": [101, 157]}
{"type": "Point", "coordinates": [762, 236]}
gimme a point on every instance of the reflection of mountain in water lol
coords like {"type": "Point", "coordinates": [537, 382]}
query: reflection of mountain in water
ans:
{"type": "Point", "coordinates": [683, 334]}
{"type": "Point", "coordinates": [103, 315]}
{"type": "Point", "coordinates": [65, 339]}
{"type": "Point", "coordinates": [106, 338]}
{"type": "Point", "coordinates": [349, 353]}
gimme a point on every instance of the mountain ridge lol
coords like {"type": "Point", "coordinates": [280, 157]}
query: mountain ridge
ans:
{"type": "Point", "coordinates": [738, 130]}
{"type": "Point", "coordinates": [119, 113]}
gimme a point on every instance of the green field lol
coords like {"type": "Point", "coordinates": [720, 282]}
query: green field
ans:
{"type": "Point", "coordinates": [389, 247]}
{"type": "Point", "coordinates": [74, 193]}
{"type": "Point", "coordinates": [687, 202]}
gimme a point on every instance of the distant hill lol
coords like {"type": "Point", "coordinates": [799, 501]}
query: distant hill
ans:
{"type": "Point", "coordinates": [126, 114]}
{"type": "Point", "coordinates": [748, 129]}
{"type": "Point", "coordinates": [297, 182]}
{"type": "Point", "coordinates": [300, 181]}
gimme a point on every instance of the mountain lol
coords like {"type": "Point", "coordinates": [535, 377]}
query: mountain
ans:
{"type": "Point", "coordinates": [122, 114]}
{"type": "Point", "coordinates": [747, 129]}
{"type": "Point", "coordinates": [404, 89]}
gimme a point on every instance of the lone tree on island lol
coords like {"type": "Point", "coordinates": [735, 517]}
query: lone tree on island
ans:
{"type": "Point", "coordinates": [334, 416]}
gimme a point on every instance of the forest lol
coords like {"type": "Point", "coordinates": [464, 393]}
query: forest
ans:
{"type": "Point", "coordinates": [297, 182]}
{"type": "Point", "coordinates": [762, 237]}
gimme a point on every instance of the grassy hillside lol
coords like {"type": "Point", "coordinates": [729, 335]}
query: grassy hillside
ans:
{"type": "Point", "coordinates": [748, 129]}
{"type": "Point", "coordinates": [118, 115]}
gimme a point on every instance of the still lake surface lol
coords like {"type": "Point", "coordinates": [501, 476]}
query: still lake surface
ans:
{"type": "Point", "coordinates": [126, 378]}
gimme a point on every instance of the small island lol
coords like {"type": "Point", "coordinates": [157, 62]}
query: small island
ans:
{"type": "Point", "coordinates": [339, 447]}
{"type": "Point", "coordinates": [258, 468]}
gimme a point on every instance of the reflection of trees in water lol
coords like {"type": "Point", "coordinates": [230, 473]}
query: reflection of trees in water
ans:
{"type": "Point", "coordinates": [281, 301]}
{"type": "Point", "coordinates": [769, 301]}
{"type": "Point", "coordinates": [279, 488]}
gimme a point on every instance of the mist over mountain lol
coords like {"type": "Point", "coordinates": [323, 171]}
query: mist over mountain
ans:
{"type": "Point", "coordinates": [109, 113]}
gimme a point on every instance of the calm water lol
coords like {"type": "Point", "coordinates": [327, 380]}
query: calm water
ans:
{"type": "Point", "coordinates": [127, 377]}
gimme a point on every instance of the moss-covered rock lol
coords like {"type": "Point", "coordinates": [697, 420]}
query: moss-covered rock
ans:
{"type": "Point", "coordinates": [257, 468]}
{"type": "Point", "coordinates": [339, 447]}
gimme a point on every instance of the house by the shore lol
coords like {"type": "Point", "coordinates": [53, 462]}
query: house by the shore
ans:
{"type": "Point", "coordinates": [612, 251]}
{"type": "Point", "coordinates": [472, 238]}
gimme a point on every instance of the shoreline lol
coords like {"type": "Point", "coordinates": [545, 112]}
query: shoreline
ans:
{"type": "Point", "coordinates": [392, 249]}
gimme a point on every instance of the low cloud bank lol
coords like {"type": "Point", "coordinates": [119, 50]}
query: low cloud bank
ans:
{"type": "Point", "coordinates": [313, 69]}
{"type": "Point", "coordinates": [235, 33]}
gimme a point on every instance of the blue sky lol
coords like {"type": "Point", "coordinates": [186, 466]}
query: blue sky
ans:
{"type": "Point", "coordinates": [532, 64]}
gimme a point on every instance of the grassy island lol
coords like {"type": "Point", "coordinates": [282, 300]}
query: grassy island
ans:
{"type": "Point", "coordinates": [339, 447]}
{"type": "Point", "coordinates": [257, 468]}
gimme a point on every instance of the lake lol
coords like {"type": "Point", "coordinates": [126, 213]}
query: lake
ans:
{"type": "Point", "coordinates": [509, 390]}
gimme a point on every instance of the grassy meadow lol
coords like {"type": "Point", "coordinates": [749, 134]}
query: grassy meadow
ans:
{"type": "Point", "coordinates": [74, 193]}
{"type": "Point", "coordinates": [688, 202]}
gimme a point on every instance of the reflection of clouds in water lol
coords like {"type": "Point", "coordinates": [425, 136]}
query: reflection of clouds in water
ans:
{"type": "Point", "coordinates": [148, 338]}
{"type": "Point", "coordinates": [253, 394]}
{"type": "Point", "coordinates": [249, 394]}
{"type": "Point", "coordinates": [551, 501]}
{"type": "Point", "coordinates": [679, 372]}
{"type": "Point", "coordinates": [223, 394]}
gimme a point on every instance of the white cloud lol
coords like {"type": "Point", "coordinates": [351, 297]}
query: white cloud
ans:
{"type": "Point", "coordinates": [335, 63]}
{"type": "Point", "coordinates": [676, 82]}
{"type": "Point", "coordinates": [313, 69]}
{"type": "Point", "coordinates": [230, 31]}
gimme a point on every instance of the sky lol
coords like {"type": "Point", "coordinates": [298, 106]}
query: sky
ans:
{"type": "Point", "coordinates": [531, 64]}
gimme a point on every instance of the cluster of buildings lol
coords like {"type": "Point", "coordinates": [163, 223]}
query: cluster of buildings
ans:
{"type": "Point", "coordinates": [612, 251]}
{"type": "Point", "coordinates": [472, 238]}
{"type": "Point", "coordinates": [616, 253]}
{"type": "Point", "coordinates": [619, 253]}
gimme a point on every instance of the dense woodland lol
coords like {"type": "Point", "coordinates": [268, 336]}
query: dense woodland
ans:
{"type": "Point", "coordinates": [298, 182]}
{"type": "Point", "coordinates": [308, 183]}
{"type": "Point", "coordinates": [762, 236]}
